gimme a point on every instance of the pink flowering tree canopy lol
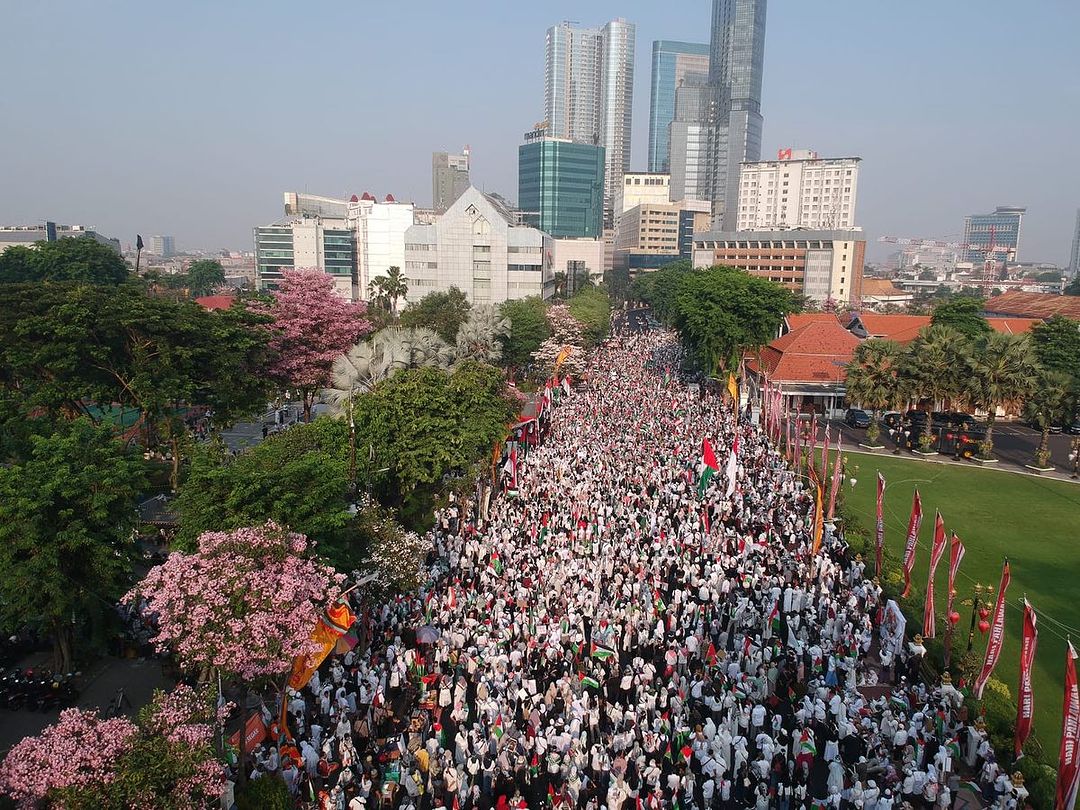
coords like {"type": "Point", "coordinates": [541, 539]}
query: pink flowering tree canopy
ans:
{"type": "Point", "coordinates": [244, 603]}
{"type": "Point", "coordinates": [77, 753]}
{"type": "Point", "coordinates": [312, 326]}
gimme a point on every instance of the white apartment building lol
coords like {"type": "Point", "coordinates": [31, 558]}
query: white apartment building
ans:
{"type": "Point", "coordinates": [477, 247]}
{"type": "Point", "coordinates": [798, 190]}
{"type": "Point", "coordinates": [642, 187]}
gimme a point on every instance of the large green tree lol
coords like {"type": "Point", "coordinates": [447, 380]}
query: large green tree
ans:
{"type": "Point", "coordinates": [962, 313]}
{"type": "Point", "coordinates": [592, 308]}
{"type": "Point", "coordinates": [720, 312]}
{"type": "Point", "coordinates": [444, 312]}
{"type": "Point", "coordinates": [529, 328]}
{"type": "Point", "coordinates": [662, 289]}
{"type": "Point", "coordinates": [65, 538]}
{"type": "Point", "coordinates": [931, 361]}
{"type": "Point", "coordinates": [1001, 369]}
{"type": "Point", "coordinates": [1050, 402]}
{"type": "Point", "coordinates": [1057, 345]}
{"type": "Point", "coordinates": [872, 379]}
{"type": "Point", "coordinates": [68, 259]}
{"type": "Point", "coordinates": [204, 276]}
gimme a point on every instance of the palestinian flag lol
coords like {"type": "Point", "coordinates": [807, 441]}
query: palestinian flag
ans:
{"type": "Point", "coordinates": [451, 598]}
{"type": "Point", "coordinates": [497, 729]}
{"type": "Point", "coordinates": [601, 653]}
{"type": "Point", "coordinates": [710, 654]}
{"type": "Point", "coordinates": [712, 467]}
{"type": "Point", "coordinates": [807, 745]}
{"type": "Point", "coordinates": [588, 680]}
{"type": "Point", "coordinates": [774, 617]}
{"type": "Point", "coordinates": [495, 564]}
{"type": "Point", "coordinates": [658, 602]}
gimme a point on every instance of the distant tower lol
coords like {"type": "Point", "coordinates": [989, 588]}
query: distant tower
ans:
{"type": "Point", "coordinates": [449, 178]}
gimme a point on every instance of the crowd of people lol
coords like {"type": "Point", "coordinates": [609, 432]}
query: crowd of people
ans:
{"type": "Point", "coordinates": [613, 635]}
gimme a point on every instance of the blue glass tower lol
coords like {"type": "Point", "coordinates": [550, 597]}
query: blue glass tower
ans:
{"type": "Point", "coordinates": [672, 63]}
{"type": "Point", "coordinates": [1005, 222]}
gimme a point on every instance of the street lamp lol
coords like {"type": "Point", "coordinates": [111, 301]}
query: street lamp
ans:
{"type": "Point", "coordinates": [979, 591]}
{"type": "Point", "coordinates": [1074, 457]}
{"type": "Point", "coordinates": [854, 479]}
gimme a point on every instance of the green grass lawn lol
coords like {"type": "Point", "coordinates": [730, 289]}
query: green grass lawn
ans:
{"type": "Point", "coordinates": [1034, 521]}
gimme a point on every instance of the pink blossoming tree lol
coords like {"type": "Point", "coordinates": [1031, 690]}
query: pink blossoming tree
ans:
{"type": "Point", "coordinates": [312, 327]}
{"type": "Point", "coordinates": [244, 603]}
{"type": "Point", "coordinates": [77, 753]}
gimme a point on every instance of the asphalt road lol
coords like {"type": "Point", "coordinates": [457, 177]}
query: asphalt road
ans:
{"type": "Point", "coordinates": [1014, 445]}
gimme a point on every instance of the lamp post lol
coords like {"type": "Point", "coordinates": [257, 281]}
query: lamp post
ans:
{"type": "Point", "coordinates": [979, 591]}
{"type": "Point", "coordinates": [1074, 457]}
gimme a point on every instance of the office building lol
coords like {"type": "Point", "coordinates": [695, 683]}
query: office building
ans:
{"type": "Point", "coordinates": [798, 190]}
{"type": "Point", "coordinates": [589, 91]}
{"type": "Point", "coordinates": [1003, 226]}
{"type": "Point", "coordinates": [672, 64]}
{"type": "Point", "coordinates": [822, 265]}
{"type": "Point", "coordinates": [354, 240]}
{"type": "Point", "coordinates": [561, 185]}
{"type": "Point", "coordinates": [641, 187]}
{"type": "Point", "coordinates": [477, 247]}
{"type": "Point", "coordinates": [652, 235]}
{"type": "Point", "coordinates": [1074, 253]}
{"type": "Point", "coordinates": [449, 178]}
{"type": "Point", "coordinates": [717, 124]}
{"type": "Point", "coordinates": [580, 260]}
{"type": "Point", "coordinates": [27, 235]}
{"type": "Point", "coordinates": [163, 246]}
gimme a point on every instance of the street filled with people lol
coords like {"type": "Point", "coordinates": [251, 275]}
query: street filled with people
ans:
{"type": "Point", "coordinates": [612, 633]}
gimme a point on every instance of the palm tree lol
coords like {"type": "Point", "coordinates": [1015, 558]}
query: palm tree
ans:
{"type": "Point", "coordinates": [1048, 404]}
{"type": "Point", "coordinates": [872, 379]}
{"type": "Point", "coordinates": [377, 295]}
{"type": "Point", "coordinates": [1000, 370]}
{"type": "Point", "coordinates": [396, 286]}
{"type": "Point", "coordinates": [929, 369]}
{"type": "Point", "coordinates": [478, 337]}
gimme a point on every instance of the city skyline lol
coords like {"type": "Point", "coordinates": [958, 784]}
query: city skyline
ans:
{"type": "Point", "coordinates": [175, 146]}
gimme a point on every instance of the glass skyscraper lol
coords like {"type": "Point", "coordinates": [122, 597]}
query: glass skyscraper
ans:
{"type": "Point", "coordinates": [672, 64]}
{"type": "Point", "coordinates": [1074, 252]}
{"type": "Point", "coordinates": [1005, 223]}
{"type": "Point", "coordinates": [718, 125]}
{"type": "Point", "coordinates": [589, 92]}
{"type": "Point", "coordinates": [561, 186]}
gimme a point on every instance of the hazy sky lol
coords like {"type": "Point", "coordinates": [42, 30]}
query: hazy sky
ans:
{"type": "Point", "coordinates": [190, 118]}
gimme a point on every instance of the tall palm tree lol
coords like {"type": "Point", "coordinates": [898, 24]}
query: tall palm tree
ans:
{"type": "Point", "coordinates": [1000, 370]}
{"type": "Point", "coordinates": [931, 362]}
{"type": "Point", "coordinates": [872, 379]}
{"type": "Point", "coordinates": [1050, 403]}
{"type": "Point", "coordinates": [396, 286]}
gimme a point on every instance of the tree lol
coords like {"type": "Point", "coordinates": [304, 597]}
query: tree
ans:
{"type": "Point", "coordinates": [721, 312]}
{"type": "Point", "coordinates": [872, 379]}
{"type": "Point", "coordinates": [665, 287]}
{"type": "Point", "coordinates": [298, 478]}
{"type": "Point", "coordinates": [81, 259]}
{"type": "Point", "coordinates": [567, 332]}
{"type": "Point", "coordinates": [244, 603]}
{"type": "Point", "coordinates": [444, 312]}
{"type": "Point", "coordinates": [65, 537]}
{"type": "Point", "coordinates": [1073, 287]}
{"type": "Point", "coordinates": [395, 286]}
{"type": "Point", "coordinates": [930, 363]}
{"type": "Point", "coordinates": [204, 276]}
{"type": "Point", "coordinates": [426, 423]}
{"type": "Point", "coordinates": [312, 326]}
{"type": "Point", "coordinates": [1001, 369]}
{"type": "Point", "coordinates": [592, 309]}
{"type": "Point", "coordinates": [478, 337]}
{"type": "Point", "coordinates": [1056, 343]}
{"type": "Point", "coordinates": [528, 329]}
{"type": "Point", "coordinates": [962, 313]}
{"type": "Point", "coordinates": [1050, 402]}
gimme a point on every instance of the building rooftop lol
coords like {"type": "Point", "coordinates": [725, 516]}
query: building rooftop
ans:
{"type": "Point", "coordinates": [216, 301]}
{"type": "Point", "coordinates": [815, 352]}
{"type": "Point", "coordinates": [1033, 305]}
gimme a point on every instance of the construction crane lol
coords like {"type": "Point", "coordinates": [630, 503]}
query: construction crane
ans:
{"type": "Point", "coordinates": [989, 250]}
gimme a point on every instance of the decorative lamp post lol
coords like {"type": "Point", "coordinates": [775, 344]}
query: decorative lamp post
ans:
{"type": "Point", "coordinates": [981, 610]}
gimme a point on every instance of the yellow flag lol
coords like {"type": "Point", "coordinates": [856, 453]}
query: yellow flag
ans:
{"type": "Point", "coordinates": [561, 357]}
{"type": "Point", "coordinates": [733, 388]}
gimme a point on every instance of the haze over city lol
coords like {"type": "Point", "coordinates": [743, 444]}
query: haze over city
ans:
{"type": "Point", "coordinates": [192, 120]}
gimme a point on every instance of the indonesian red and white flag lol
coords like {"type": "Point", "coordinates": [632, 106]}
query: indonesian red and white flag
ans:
{"type": "Point", "coordinates": [937, 550]}
{"type": "Point", "coordinates": [914, 522]}
{"type": "Point", "coordinates": [1025, 697]}
{"type": "Point", "coordinates": [997, 634]}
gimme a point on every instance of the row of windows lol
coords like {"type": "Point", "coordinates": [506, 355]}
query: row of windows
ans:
{"type": "Point", "coordinates": [420, 246]}
{"type": "Point", "coordinates": [524, 249]}
{"type": "Point", "coordinates": [421, 265]}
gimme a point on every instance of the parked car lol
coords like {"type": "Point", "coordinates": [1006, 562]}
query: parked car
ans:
{"type": "Point", "coordinates": [892, 419]}
{"type": "Point", "coordinates": [1074, 428]}
{"type": "Point", "coordinates": [915, 417]}
{"type": "Point", "coordinates": [857, 418]}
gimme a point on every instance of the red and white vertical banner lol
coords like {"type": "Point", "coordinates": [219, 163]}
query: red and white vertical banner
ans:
{"type": "Point", "coordinates": [1068, 763]}
{"type": "Point", "coordinates": [914, 523]}
{"type": "Point", "coordinates": [879, 527]}
{"type": "Point", "coordinates": [1025, 698]}
{"type": "Point", "coordinates": [825, 457]}
{"type": "Point", "coordinates": [997, 634]}
{"type": "Point", "coordinates": [937, 550]}
{"type": "Point", "coordinates": [797, 460]}
{"type": "Point", "coordinates": [811, 461]}
{"type": "Point", "coordinates": [837, 473]}
{"type": "Point", "coordinates": [956, 554]}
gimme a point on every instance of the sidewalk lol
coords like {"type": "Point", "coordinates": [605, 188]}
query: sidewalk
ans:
{"type": "Point", "coordinates": [1000, 466]}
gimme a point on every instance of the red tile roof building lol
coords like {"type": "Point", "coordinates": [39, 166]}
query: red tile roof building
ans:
{"type": "Point", "coordinates": [1034, 305]}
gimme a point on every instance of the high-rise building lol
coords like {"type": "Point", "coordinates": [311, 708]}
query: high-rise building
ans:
{"type": "Point", "coordinates": [27, 235]}
{"type": "Point", "coordinates": [561, 185]}
{"type": "Point", "coordinates": [1004, 225]}
{"type": "Point", "coordinates": [589, 92]}
{"type": "Point", "coordinates": [717, 124]}
{"type": "Point", "coordinates": [163, 246]}
{"type": "Point", "coordinates": [477, 247]}
{"type": "Point", "coordinates": [1074, 254]}
{"type": "Point", "coordinates": [449, 178]}
{"type": "Point", "coordinates": [673, 63]}
{"type": "Point", "coordinates": [652, 235]}
{"type": "Point", "coordinates": [641, 187]}
{"type": "Point", "coordinates": [354, 240]}
{"type": "Point", "coordinates": [798, 190]}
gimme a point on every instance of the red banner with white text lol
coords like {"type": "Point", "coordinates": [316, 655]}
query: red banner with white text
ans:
{"type": "Point", "coordinates": [1025, 698]}
{"type": "Point", "coordinates": [914, 522]}
{"type": "Point", "coordinates": [997, 635]}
